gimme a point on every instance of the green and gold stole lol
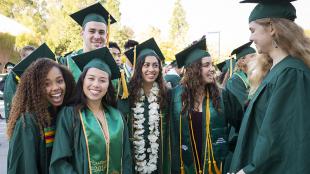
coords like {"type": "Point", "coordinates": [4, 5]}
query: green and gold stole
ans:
{"type": "Point", "coordinates": [103, 157]}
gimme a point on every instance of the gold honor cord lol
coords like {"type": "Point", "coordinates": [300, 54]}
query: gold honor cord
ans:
{"type": "Point", "coordinates": [208, 146]}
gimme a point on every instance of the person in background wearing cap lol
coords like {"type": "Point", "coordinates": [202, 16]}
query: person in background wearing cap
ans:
{"type": "Point", "coordinates": [91, 135]}
{"type": "Point", "coordinates": [11, 82]}
{"type": "Point", "coordinates": [25, 51]}
{"type": "Point", "coordinates": [198, 127]}
{"type": "Point", "coordinates": [274, 134]}
{"type": "Point", "coordinates": [147, 110]}
{"type": "Point", "coordinates": [95, 21]}
{"type": "Point", "coordinates": [235, 94]}
{"type": "Point", "coordinates": [173, 76]}
{"type": "Point", "coordinates": [128, 66]}
{"type": "Point", "coordinates": [119, 84]}
{"type": "Point", "coordinates": [44, 87]}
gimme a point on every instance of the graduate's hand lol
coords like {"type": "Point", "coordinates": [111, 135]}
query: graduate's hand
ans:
{"type": "Point", "coordinates": [241, 172]}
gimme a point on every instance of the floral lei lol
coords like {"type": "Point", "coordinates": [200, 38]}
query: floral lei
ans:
{"type": "Point", "coordinates": [142, 164]}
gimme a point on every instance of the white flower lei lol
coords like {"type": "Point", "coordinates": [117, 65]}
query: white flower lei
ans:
{"type": "Point", "coordinates": [142, 165]}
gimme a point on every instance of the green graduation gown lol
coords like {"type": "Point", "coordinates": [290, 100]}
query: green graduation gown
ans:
{"type": "Point", "coordinates": [29, 153]}
{"type": "Point", "coordinates": [173, 79]}
{"type": "Point", "coordinates": [67, 61]}
{"type": "Point", "coordinates": [274, 135]}
{"type": "Point", "coordinates": [235, 97]}
{"type": "Point", "coordinates": [219, 135]}
{"type": "Point", "coordinates": [164, 160]}
{"type": "Point", "coordinates": [70, 149]}
{"type": "Point", "coordinates": [10, 86]}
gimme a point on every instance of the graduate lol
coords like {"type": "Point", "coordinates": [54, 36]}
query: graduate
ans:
{"type": "Point", "coordinates": [127, 65]}
{"type": "Point", "coordinates": [91, 135]}
{"type": "Point", "coordinates": [147, 110]}
{"type": "Point", "coordinates": [274, 134]}
{"type": "Point", "coordinates": [95, 21]}
{"type": "Point", "coordinates": [198, 127]}
{"type": "Point", "coordinates": [173, 76]}
{"type": "Point", "coordinates": [44, 87]}
{"type": "Point", "coordinates": [11, 82]}
{"type": "Point", "coordinates": [235, 95]}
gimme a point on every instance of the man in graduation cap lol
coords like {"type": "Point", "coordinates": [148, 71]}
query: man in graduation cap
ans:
{"type": "Point", "coordinates": [235, 93]}
{"type": "Point", "coordinates": [128, 66]}
{"type": "Point", "coordinates": [95, 21]}
{"type": "Point", "coordinates": [274, 133]}
{"type": "Point", "coordinates": [13, 77]}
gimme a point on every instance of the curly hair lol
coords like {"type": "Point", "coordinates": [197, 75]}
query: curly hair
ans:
{"type": "Point", "coordinates": [80, 99]}
{"type": "Point", "coordinates": [192, 81]}
{"type": "Point", "coordinates": [136, 82]}
{"type": "Point", "coordinates": [31, 94]}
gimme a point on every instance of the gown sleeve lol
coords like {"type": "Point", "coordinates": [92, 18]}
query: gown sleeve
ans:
{"type": "Point", "coordinates": [23, 155]}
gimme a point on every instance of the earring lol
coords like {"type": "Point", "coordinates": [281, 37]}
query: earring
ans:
{"type": "Point", "coordinates": [274, 44]}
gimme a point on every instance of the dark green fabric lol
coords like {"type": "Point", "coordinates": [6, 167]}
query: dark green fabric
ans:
{"type": "Point", "coordinates": [69, 151]}
{"type": "Point", "coordinates": [95, 12]}
{"type": "Point", "coordinates": [173, 79]}
{"type": "Point", "coordinates": [273, 10]}
{"type": "Point", "coordinates": [274, 135]}
{"type": "Point", "coordinates": [43, 51]}
{"type": "Point", "coordinates": [146, 48]}
{"type": "Point", "coordinates": [192, 53]}
{"type": "Point", "coordinates": [10, 87]}
{"type": "Point", "coordinates": [218, 132]}
{"type": "Point", "coordinates": [71, 65]}
{"type": "Point", "coordinates": [28, 153]}
{"type": "Point", "coordinates": [100, 58]}
{"type": "Point", "coordinates": [164, 160]}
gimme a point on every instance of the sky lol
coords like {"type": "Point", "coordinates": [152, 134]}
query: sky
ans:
{"type": "Point", "coordinates": [220, 20]}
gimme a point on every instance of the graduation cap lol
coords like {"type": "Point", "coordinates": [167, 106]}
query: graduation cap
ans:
{"type": "Point", "coordinates": [272, 9]}
{"type": "Point", "coordinates": [42, 52]}
{"type": "Point", "coordinates": [101, 59]}
{"type": "Point", "coordinates": [243, 50]}
{"type": "Point", "coordinates": [192, 53]}
{"type": "Point", "coordinates": [95, 12]}
{"type": "Point", "coordinates": [9, 64]}
{"type": "Point", "coordinates": [147, 48]}
{"type": "Point", "coordinates": [221, 65]}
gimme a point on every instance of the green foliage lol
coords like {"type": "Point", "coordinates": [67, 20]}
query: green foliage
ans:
{"type": "Point", "coordinates": [7, 48]}
{"type": "Point", "coordinates": [178, 26]}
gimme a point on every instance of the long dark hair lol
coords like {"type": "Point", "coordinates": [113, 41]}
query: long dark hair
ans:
{"type": "Point", "coordinates": [191, 82]}
{"type": "Point", "coordinates": [80, 100]}
{"type": "Point", "coordinates": [136, 83]}
{"type": "Point", "coordinates": [31, 94]}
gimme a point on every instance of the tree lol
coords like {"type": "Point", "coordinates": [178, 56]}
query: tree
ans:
{"type": "Point", "coordinates": [178, 26]}
{"type": "Point", "coordinates": [7, 52]}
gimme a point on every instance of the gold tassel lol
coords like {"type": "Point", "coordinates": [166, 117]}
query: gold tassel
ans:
{"type": "Point", "coordinates": [134, 60]}
{"type": "Point", "coordinates": [108, 33]}
{"type": "Point", "coordinates": [230, 67]}
{"type": "Point", "coordinates": [182, 171]}
{"type": "Point", "coordinates": [217, 171]}
{"type": "Point", "coordinates": [17, 78]}
{"type": "Point", "coordinates": [209, 168]}
{"type": "Point", "coordinates": [124, 85]}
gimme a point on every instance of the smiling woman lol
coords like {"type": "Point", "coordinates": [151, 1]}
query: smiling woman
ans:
{"type": "Point", "coordinates": [43, 88]}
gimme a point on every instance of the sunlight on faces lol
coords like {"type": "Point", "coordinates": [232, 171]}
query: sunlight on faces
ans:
{"type": "Point", "coordinates": [150, 69]}
{"type": "Point", "coordinates": [94, 35]}
{"type": "Point", "coordinates": [207, 70]}
{"type": "Point", "coordinates": [55, 87]}
{"type": "Point", "coordinates": [116, 55]}
{"type": "Point", "coordinates": [96, 83]}
{"type": "Point", "coordinates": [261, 36]}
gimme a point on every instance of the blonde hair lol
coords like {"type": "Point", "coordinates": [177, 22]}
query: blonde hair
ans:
{"type": "Point", "coordinates": [289, 37]}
